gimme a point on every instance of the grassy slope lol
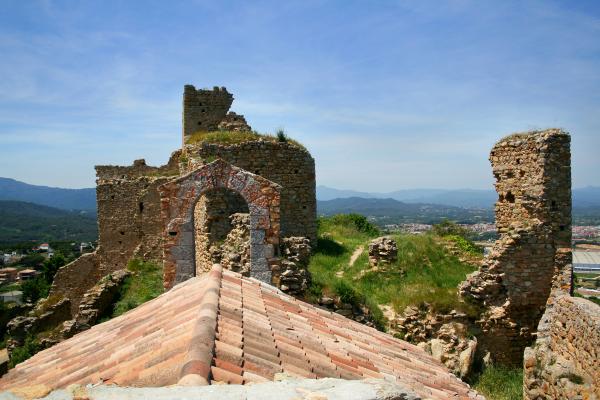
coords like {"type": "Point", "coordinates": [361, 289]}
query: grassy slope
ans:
{"type": "Point", "coordinates": [424, 271]}
{"type": "Point", "coordinates": [431, 274]}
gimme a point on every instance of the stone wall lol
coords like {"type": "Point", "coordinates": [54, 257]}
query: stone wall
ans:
{"type": "Point", "coordinates": [533, 216]}
{"type": "Point", "coordinates": [74, 279]}
{"type": "Point", "coordinates": [129, 225]}
{"type": "Point", "coordinates": [284, 163]}
{"type": "Point", "coordinates": [204, 109]}
{"type": "Point", "coordinates": [564, 363]}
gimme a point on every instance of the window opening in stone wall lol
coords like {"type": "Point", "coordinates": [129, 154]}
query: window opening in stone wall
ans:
{"type": "Point", "coordinates": [222, 231]}
{"type": "Point", "coordinates": [141, 207]}
{"type": "Point", "coordinates": [509, 197]}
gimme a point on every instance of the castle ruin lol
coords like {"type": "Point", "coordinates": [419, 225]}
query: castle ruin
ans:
{"type": "Point", "coordinates": [176, 214]}
{"type": "Point", "coordinates": [533, 218]}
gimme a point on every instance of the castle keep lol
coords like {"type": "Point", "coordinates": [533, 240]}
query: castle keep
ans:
{"type": "Point", "coordinates": [184, 214]}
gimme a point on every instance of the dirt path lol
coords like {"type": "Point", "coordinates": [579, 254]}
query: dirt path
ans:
{"type": "Point", "coordinates": [357, 252]}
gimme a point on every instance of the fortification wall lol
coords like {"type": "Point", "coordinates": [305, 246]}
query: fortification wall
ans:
{"type": "Point", "coordinates": [533, 216]}
{"type": "Point", "coordinates": [75, 278]}
{"type": "Point", "coordinates": [283, 163]}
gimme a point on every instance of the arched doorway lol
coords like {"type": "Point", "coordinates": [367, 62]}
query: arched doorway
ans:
{"type": "Point", "coordinates": [179, 198]}
{"type": "Point", "coordinates": [222, 231]}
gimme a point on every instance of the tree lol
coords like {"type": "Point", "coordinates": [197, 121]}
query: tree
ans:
{"type": "Point", "coordinates": [447, 227]}
{"type": "Point", "coordinates": [35, 289]}
{"type": "Point", "coordinates": [51, 266]}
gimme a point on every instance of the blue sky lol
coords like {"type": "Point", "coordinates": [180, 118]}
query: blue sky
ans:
{"type": "Point", "coordinates": [386, 95]}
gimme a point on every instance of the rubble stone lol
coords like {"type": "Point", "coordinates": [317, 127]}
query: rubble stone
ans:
{"type": "Point", "coordinates": [383, 250]}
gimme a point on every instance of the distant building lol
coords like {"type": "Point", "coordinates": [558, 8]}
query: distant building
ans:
{"type": "Point", "coordinates": [43, 247]}
{"type": "Point", "coordinates": [586, 261]}
{"type": "Point", "coordinates": [27, 274]}
{"type": "Point", "coordinates": [15, 296]}
{"type": "Point", "coordinates": [8, 275]}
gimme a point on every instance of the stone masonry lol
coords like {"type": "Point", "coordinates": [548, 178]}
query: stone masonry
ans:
{"type": "Point", "coordinates": [533, 216]}
{"type": "Point", "coordinates": [383, 250]}
{"type": "Point", "coordinates": [564, 361]}
{"type": "Point", "coordinates": [286, 164]}
{"type": "Point", "coordinates": [204, 109]}
{"type": "Point", "coordinates": [130, 223]}
{"type": "Point", "coordinates": [178, 201]}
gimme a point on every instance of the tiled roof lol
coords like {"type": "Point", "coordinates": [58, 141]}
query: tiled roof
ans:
{"type": "Point", "coordinates": [229, 329]}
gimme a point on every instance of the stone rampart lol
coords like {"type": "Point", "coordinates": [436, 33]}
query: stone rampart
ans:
{"type": "Point", "coordinates": [533, 216]}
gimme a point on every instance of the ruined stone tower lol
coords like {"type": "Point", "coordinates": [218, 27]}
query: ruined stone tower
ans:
{"type": "Point", "coordinates": [533, 217]}
{"type": "Point", "coordinates": [204, 109]}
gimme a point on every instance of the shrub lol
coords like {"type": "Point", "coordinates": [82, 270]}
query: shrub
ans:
{"type": "Point", "coordinates": [360, 222]}
{"type": "Point", "coordinates": [447, 227]}
{"type": "Point", "coordinates": [143, 285]}
{"type": "Point", "coordinates": [281, 136]}
{"type": "Point", "coordinates": [35, 289]}
{"type": "Point", "coordinates": [22, 353]}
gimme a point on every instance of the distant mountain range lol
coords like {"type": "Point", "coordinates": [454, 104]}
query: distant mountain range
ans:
{"type": "Point", "coordinates": [23, 222]}
{"type": "Point", "coordinates": [64, 199]}
{"type": "Point", "coordinates": [466, 198]}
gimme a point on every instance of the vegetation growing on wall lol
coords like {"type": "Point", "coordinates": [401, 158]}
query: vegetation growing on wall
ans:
{"type": "Point", "coordinates": [233, 137]}
{"type": "Point", "coordinates": [143, 285]}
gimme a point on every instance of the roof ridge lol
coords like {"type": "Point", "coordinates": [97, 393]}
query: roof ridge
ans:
{"type": "Point", "coordinates": [198, 358]}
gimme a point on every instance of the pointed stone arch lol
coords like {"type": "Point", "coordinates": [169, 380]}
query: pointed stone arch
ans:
{"type": "Point", "coordinates": [178, 199]}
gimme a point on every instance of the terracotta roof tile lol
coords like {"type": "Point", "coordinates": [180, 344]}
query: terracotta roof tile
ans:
{"type": "Point", "coordinates": [223, 328]}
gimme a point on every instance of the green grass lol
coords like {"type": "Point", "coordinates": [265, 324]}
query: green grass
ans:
{"type": "Point", "coordinates": [231, 137]}
{"type": "Point", "coordinates": [143, 285]}
{"type": "Point", "coordinates": [424, 272]}
{"type": "Point", "coordinates": [500, 383]}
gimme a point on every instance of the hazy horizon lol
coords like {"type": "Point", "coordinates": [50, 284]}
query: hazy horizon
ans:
{"type": "Point", "coordinates": [384, 95]}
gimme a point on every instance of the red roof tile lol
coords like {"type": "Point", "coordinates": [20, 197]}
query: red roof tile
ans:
{"type": "Point", "coordinates": [224, 328]}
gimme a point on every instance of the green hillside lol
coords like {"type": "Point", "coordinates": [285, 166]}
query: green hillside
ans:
{"type": "Point", "coordinates": [22, 222]}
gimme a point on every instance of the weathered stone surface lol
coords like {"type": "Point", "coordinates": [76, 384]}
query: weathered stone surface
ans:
{"type": "Point", "coordinates": [234, 122]}
{"type": "Point", "coordinates": [533, 216]}
{"type": "Point", "coordinates": [47, 314]}
{"type": "Point", "coordinates": [291, 275]}
{"type": "Point", "coordinates": [96, 302]}
{"type": "Point", "coordinates": [383, 250]}
{"type": "Point", "coordinates": [178, 204]}
{"type": "Point", "coordinates": [446, 337]}
{"type": "Point", "coordinates": [564, 362]}
{"type": "Point", "coordinates": [290, 389]}
{"type": "Point", "coordinates": [204, 109]}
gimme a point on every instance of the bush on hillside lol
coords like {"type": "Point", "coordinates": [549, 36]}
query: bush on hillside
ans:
{"type": "Point", "coordinates": [447, 227]}
{"type": "Point", "coordinates": [360, 222]}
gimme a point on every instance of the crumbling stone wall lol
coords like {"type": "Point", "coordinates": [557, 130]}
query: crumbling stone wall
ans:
{"type": "Point", "coordinates": [284, 163]}
{"type": "Point", "coordinates": [533, 216]}
{"type": "Point", "coordinates": [234, 122]}
{"type": "Point", "coordinates": [204, 109]}
{"type": "Point", "coordinates": [212, 222]}
{"type": "Point", "coordinates": [178, 201]}
{"type": "Point", "coordinates": [564, 361]}
{"type": "Point", "coordinates": [129, 226]}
